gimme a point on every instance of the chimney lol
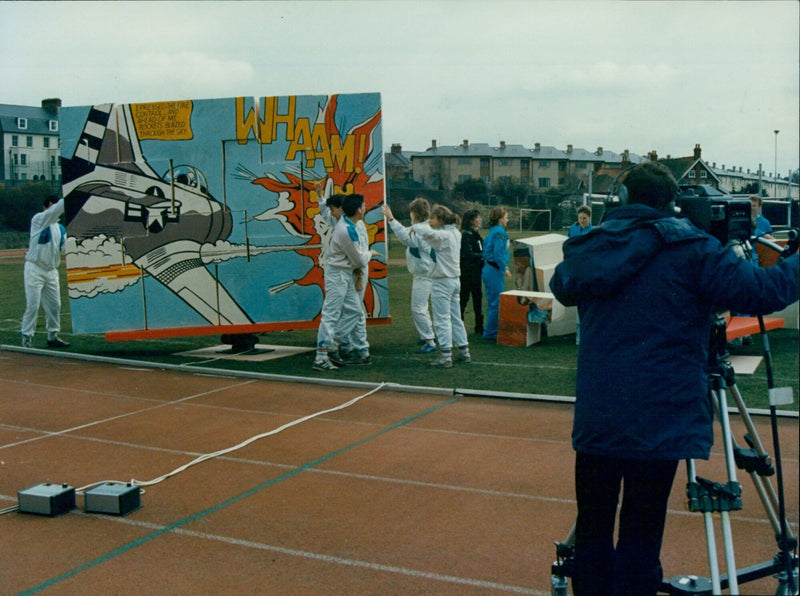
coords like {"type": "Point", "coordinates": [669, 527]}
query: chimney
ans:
{"type": "Point", "coordinates": [502, 144]}
{"type": "Point", "coordinates": [537, 146]}
{"type": "Point", "coordinates": [569, 148]}
{"type": "Point", "coordinates": [52, 104]}
{"type": "Point", "coordinates": [653, 155]}
{"type": "Point", "coordinates": [599, 151]}
{"type": "Point", "coordinates": [397, 148]}
{"type": "Point", "coordinates": [433, 143]}
{"type": "Point", "coordinates": [626, 157]}
{"type": "Point", "coordinates": [465, 143]}
{"type": "Point", "coordinates": [723, 167]}
{"type": "Point", "coordinates": [697, 151]}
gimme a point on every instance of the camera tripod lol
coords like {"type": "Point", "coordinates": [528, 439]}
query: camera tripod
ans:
{"type": "Point", "coordinates": [710, 497]}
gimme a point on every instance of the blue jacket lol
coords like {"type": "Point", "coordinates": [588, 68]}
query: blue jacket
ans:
{"type": "Point", "coordinates": [495, 248]}
{"type": "Point", "coordinates": [646, 284]}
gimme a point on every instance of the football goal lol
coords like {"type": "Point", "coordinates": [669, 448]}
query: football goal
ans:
{"type": "Point", "coordinates": [535, 220]}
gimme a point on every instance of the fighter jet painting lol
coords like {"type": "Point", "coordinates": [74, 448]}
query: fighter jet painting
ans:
{"type": "Point", "coordinates": [151, 249]}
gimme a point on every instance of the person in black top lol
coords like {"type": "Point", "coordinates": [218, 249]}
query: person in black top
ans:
{"type": "Point", "coordinates": [471, 266]}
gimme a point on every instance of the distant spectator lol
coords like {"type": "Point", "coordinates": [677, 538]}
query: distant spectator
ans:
{"type": "Point", "coordinates": [584, 223]}
{"type": "Point", "coordinates": [759, 224]}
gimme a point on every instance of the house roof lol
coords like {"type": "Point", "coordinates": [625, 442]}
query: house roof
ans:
{"type": "Point", "coordinates": [38, 119]}
{"type": "Point", "coordinates": [679, 166]}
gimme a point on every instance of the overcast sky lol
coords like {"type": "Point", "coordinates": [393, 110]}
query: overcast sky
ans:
{"type": "Point", "coordinates": [634, 75]}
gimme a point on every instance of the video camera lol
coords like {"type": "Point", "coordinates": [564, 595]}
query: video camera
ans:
{"type": "Point", "coordinates": [724, 217]}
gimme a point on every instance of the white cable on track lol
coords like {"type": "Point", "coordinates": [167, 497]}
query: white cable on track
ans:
{"type": "Point", "coordinates": [253, 439]}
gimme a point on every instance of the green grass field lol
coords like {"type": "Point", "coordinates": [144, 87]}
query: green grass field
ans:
{"type": "Point", "coordinates": [546, 368]}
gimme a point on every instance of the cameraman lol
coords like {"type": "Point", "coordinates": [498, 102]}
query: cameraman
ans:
{"type": "Point", "coordinates": [646, 283]}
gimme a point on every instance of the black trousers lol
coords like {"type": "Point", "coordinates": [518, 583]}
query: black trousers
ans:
{"type": "Point", "coordinates": [473, 288]}
{"type": "Point", "coordinates": [632, 567]}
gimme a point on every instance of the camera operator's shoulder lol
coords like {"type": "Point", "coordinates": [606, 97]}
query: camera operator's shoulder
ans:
{"type": "Point", "coordinates": [678, 229]}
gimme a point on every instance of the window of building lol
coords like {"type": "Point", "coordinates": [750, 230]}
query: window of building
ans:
{"type": "Point", "coordinates": [23, 160]}
{"type": "Point", "coordinates": [505, 162]}
{"type": "Point", "coordinates": [581, 165]}
{"type": "Point", "coordinates": [703, 174]}
{"type": "Point", "coordinates": [15, 140]}
{"type": "Point", "coordinates": [544, 182]}
{"type": "Point", "coordinates": [46, 141]}
{"type": "Point", "coordinates": [463, 178]}
{"type": "Point", "coordinates": [22, 123]}
{"type": "Point", "coordinates": [464, 161]}
{"type": "Point", "coordinates": [29, 141]}
{"type": "Point", "coordinates": [53, 125]}
{"type": "Point", "coordinates": [544, 163]}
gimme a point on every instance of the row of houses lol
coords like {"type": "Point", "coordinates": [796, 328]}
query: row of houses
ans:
{"type": "Point", "coordinates": [30, 151]}
{"type": "Point", "coordinates": [543, 167]}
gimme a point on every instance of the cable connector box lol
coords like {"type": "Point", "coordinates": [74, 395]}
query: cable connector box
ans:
{"type": "Point", "coordinates": [47, 499]}
{"type": "Point", "coordinates": [114, 498]}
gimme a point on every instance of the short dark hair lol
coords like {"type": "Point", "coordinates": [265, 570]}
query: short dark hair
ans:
{"type": "Point", "coordinates": [335, 201]}
{"type": "Point", "coordinates": [469, 218]}
{"type": "Point", "coordinates": [651, 183]}
{"type": "Point", "coordinates": [585, 209]}
{"type": "Point", "coordinates": [351, 204]}
{"type": "Point", "coordinates": [50, 200]}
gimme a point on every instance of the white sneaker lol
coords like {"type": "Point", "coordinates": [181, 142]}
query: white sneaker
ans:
{"type": "Point", "coordinates": [27, 341]}
{"type": "Point", "coordinates": [324, 365]}
{"type": "Point", "coordinates": [443, 362]}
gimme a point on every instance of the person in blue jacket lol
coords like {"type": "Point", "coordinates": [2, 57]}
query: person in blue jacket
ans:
{"type": "Point", "coordinates": [496, 255]}
{"type": "Point", "coordinates": [647, 284]}
{"type": "Point", "coordinates": [759, 224]}
{"type": "Point", "coordinates": [580, 227]}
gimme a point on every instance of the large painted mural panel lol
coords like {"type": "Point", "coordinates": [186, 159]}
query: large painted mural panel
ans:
{"type": "Point", "coordinates": [202, 216]}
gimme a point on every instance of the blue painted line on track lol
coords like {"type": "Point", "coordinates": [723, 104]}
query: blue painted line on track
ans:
{"type": "Point", "coordinates": [145, 539]}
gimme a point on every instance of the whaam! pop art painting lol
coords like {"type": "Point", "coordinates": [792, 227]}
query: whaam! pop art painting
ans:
{"type": "Point", "coordinates": [202, 216]}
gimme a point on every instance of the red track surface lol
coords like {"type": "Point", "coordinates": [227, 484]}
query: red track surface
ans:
{"type": "Point", "coordinates": [400, 493]}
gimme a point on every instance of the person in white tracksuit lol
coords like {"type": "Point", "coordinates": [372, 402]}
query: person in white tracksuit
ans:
{"type": "Point", "coordinates": [419, 263]}
{"type": "Point", "coordinates": [330, 212]}
{"type": "Point", "coordinates": [445, 239]}
{"type": "Point", "coordinates": [343, 311]}
{"type": "Point", "coordinates": [41, 273]}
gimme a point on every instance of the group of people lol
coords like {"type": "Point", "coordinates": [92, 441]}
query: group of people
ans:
{"type": "Point", "coordinates": [450, 267]}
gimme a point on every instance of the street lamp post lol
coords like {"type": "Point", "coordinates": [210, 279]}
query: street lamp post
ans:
{"type": "Point", "coordinates": [776, 165]}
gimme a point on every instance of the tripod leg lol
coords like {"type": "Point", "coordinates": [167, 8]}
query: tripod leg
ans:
{"type": "Point", "coordinates": [768, 489]}
{"type": "Point", "coordinates": [727, 541]}
{"type": "Point", "coordinates": [711, 543]}
{"type": "Point", "coordinates": [727, 536]}
{"type": "Point", "coordinates": [708, 522]}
